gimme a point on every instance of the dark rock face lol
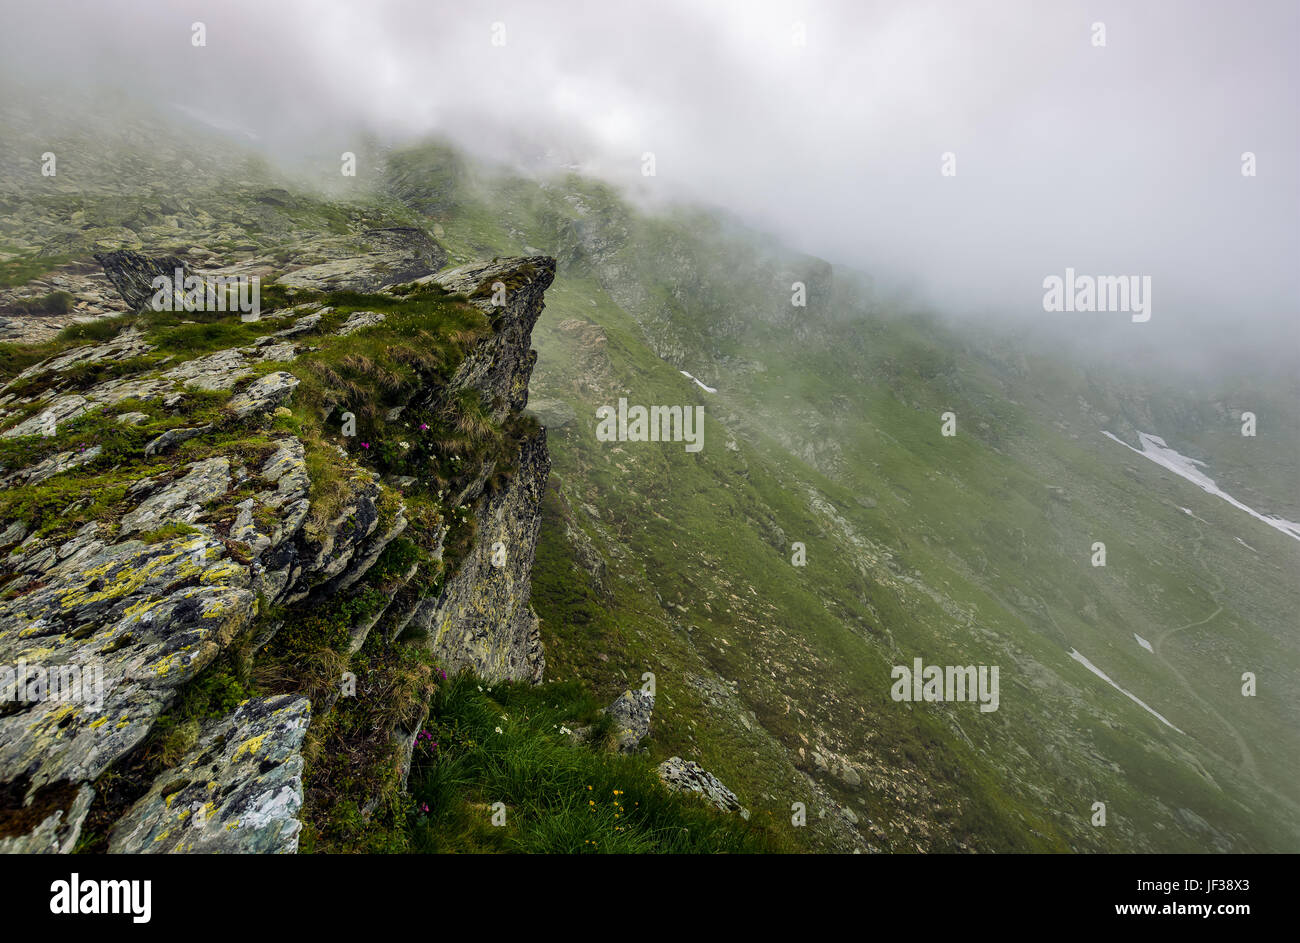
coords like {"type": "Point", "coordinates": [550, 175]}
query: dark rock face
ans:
{"type": "Point", "coordinates": [482, 618]}
{"type": "Point", "coordinates": [500, 367]}
{"type": "Point", "coordinates": [132, 274]}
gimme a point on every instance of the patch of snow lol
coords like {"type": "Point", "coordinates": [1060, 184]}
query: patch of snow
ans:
{"type": "Point", "coordinates": [1246, 545]}
{"type": "Point", "coordinates": [707, 389]}
{"type": "Point", "coordinates": [1101, 674]}
{"type": "Point", "coordinates": [1155, 449]}
{"type": "Point", "coordinates": [1143, 642]}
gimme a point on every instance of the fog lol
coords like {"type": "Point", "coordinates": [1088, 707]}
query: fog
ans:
{"type": "Point", "coordinates": [1122, 159]}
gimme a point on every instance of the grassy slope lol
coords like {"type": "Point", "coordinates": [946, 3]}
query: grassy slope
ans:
{"type": "Point", "coordinates": [968, 556]}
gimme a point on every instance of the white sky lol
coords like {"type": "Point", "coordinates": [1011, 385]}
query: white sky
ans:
{"type": "Point", "coordinates": [1115, 160]}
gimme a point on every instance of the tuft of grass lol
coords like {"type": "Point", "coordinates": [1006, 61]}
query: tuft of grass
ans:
{"type": "Point", "coordinates": [497, 752]}
{"type": "Point", "coordinates": [54, 302]}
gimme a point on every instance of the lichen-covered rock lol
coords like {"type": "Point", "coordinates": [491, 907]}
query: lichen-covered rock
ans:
{"type": "Point", "coordinates": [136, 621]}
{"type": "Point", "coordinates": [238, 790]}
{"type": "Point", "coordinates": [482, 618]}
{"type": "Point", "coordinates": [631, 713]}
{"type": "Point", "coordinates": [151, 595]}
{"type": "Point", "coordinates": [325, 552]}
{"type": "Point", "coordinates": [688, 776]}
{"type": "Point", "coordinates": [223, 370]}
{"type": "Point", "coordinates": [181, 499]}
{"type": "Point", "coordinates": [263, 394]}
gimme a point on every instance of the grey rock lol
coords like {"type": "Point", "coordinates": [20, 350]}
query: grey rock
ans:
{"type": "Point", "coordinates": [137, 622]}
{"type": "Point", "coordinates": [394, 255]}
{"type": "Point", "coordinates": [174, 437]}
{"type": "Point", "coordinates": [264, 394]}
{"type": "Point", "coordinates": [631, 713]}
{"type": "Point", "coordinates": [688, 776]}
{"type": "Point", "coordinates": [182, 499]}
{"type": "Point", "coordinates": [127, 344]}
{"type": "Point", "coordinates": [151, 617]}
{"type": "Point", "coordinates": [54, 465]}
{"type": "Point", "coordinates": [237, 791]}
{"type": "Point", "coordinates": [482, 618]}
{"type": "Point", "coordinates": [57, 412]}
{"type": "Point", "coordinates": [303, 325]}
{"type": "Point", "coordinates": [357, 320]}
{"type": "Point", "coordinates": [500, 366]}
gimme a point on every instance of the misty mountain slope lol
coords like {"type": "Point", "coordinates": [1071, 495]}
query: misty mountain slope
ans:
{"type": "Point", "coordinates": [825, 430]}
{"type": "Point", "coordinates": [973, 549]}
{"type": "Point", "coordinates": [745, 651]}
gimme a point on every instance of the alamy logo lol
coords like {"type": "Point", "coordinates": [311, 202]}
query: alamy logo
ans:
{"type": "Point", "coordinates": [75, 896]}
{"type": "Point", "coordinates": [946, 683]}
{"type": "Point", "coordinates": [1099, 293]}
{"type": "Point", "coordinates": [653, 424]}
{"type": "Point", "coordinates": [181, 292]}
{"type": "Point", "coordinates": [30, 684]}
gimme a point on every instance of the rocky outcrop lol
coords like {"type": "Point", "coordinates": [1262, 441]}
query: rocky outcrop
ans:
{"type": "Point", "coordinates": [482, 619]}
{"type": "Point", "coordinates": [500, 367]}
{"type": "Point", "coordinates": [688, 776]}
{"type": "Point", "coordinates": [136, 607]}
{"type": "Point", "coordinates": [224, 370]}
{"type": "Point", "coordinates": [130, 623]}
{"type": "Point", "coordinates": [389, 256]}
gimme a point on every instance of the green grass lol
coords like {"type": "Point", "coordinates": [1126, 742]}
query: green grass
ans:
{"type": "Point", "coordinates": [500, 751]}
{"type": "Point", "coordinates": [22, 268]}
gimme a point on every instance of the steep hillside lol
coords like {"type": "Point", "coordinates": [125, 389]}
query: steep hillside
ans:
{"type": "Point", "coordinates": [366, 572]}
{"type": "Point", "coordinates": [824, 426]}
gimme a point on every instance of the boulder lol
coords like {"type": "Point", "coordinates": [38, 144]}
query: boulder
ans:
{"type": "Point", "coordinates": [631, 713]}
{"type": "Point", "coordinates": [132, 274]}
{"type": "Point", "coordinates": [688, 776]}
